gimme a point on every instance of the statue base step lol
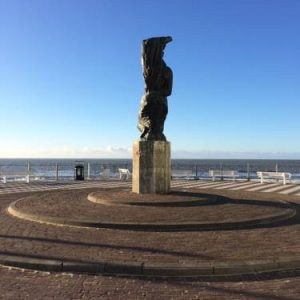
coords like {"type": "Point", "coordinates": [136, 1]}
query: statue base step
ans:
{"type": "Point", "coordinates": [151, 167]}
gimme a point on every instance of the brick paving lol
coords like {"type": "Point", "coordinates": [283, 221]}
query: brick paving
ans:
{"type": "Point", "coordinates": [25, 284]}
{"type": "Point", "coordinates": [72, 205]}
{"type": "Point", "coordinates": [18, 187]}
{"type": "Point", "coordinates": [21, 187]}
{"type": "Point", "coordinates": [30, 238]}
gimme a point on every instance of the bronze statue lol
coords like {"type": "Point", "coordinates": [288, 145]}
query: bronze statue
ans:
{"type": "Point", "coordinates": [158, 85]}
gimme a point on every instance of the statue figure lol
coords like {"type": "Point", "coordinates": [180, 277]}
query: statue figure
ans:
{"type": "Point", "coordinates": [158, 85]}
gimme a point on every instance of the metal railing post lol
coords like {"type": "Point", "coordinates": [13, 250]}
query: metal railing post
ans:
{"type": "Point", "coordinates": [56, 172]}
{"type": "Point", "coordinates": [88, 170]}
{"type": "Point", "coordinates": [221, 171]}
{"type": "Point", "coordinates": [248, 171]}
{"type": "Point", "coordinates": [28, 170]}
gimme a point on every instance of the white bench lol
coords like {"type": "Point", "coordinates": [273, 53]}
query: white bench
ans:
{"type": "Point", "coordinates": [277, 175]}
{"type": "Point", "coordinates": [5, 176]}
{"type": "Point", "coordinates": [124, 174]}
{"type": "Point", "coordinates": [223, 173]}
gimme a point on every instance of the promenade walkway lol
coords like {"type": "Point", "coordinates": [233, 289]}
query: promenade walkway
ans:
{"type": "Point", "coordinates": [27, 241]}
{"type": "Point", "coordinates": [249, 186]}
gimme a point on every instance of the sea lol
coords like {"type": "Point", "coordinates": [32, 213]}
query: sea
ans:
{"type": "Point", "coordinates": [48, 169]}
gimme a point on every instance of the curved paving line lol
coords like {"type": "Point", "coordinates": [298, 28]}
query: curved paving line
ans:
{"type": "Point", "coordinates": [101, 200]}
{"type": "Point", "coordinates": [187, 226]}
{"type": "Point", "coordinates": [253, 267]}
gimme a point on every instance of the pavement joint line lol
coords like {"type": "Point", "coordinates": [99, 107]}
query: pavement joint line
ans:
{"type": "Point", "coordinates": [245, 186]}
{"type": "Point", "coordinates": [193, 183]}
{"type": "Point", "coordinates": [275, 189]}
{"type": "Point", "coordinates": [242, 184]}
{"type": "Point", "coordinates": [188, 184]}
{"type": "Point", "coordinates": [142, 269]}
{"type": "Point", "coordinates": [213, 184]}
{"type": "Point", "coordinates": [291, 190]}
{"type": "Point", "coordinates": [262, 187]}
{"type": "Point", "coordinates": [232, 185]}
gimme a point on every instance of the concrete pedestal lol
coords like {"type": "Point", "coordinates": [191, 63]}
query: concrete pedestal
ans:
{"type": "Point", "coordinates": [151, 167]}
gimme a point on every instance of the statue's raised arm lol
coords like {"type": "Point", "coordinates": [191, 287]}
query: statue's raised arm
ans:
{"type": "Point", "coordinates": [158, 85]}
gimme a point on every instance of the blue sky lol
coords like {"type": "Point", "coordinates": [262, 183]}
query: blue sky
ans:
{"type": "Point", "coordinates": [71, 79]}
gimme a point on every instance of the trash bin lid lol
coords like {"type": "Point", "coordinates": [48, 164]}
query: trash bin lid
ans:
{"type": "Point", "coordinates": [79, 167]}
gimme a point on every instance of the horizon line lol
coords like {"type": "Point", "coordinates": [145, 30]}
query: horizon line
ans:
{"type": "Point", "coordinates": [130, 158]}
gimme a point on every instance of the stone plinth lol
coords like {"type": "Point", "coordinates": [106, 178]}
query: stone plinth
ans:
{"type": "Point", "coordinates": [151, 167]}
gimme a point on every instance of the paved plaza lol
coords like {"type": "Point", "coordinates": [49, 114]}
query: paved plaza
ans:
{"type": "Point", "coordinates": [24, 240]}
{"type": "Point", "coordinates": [250, 186]}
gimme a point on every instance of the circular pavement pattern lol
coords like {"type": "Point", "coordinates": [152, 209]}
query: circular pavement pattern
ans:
{"type": "Point", "coordinates": [177, 211]}
{"type": "Point", "coordinates": [180, 234]}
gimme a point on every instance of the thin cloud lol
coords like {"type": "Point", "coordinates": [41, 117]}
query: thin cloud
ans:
{"type": "Point", "coordinates": [234, 155]}
{"type": "Point", "coordinates": [64, 151]}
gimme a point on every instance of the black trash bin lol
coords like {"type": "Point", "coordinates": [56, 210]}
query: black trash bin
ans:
{"type": "Point", "coordinates": [79, 172]}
